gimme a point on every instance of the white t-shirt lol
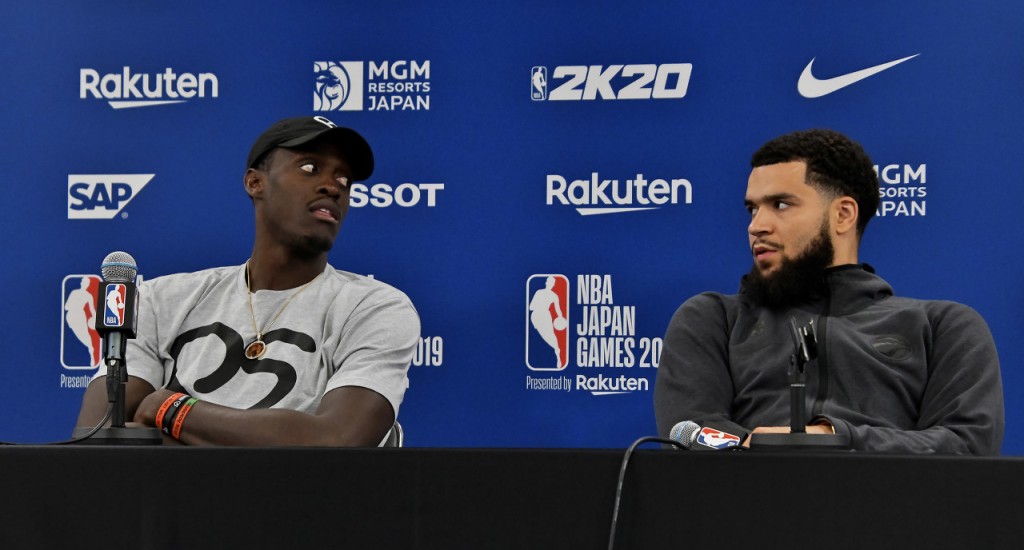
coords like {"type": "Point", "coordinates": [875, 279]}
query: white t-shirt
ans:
{"type": "Point", "coordinates": [342, 330]}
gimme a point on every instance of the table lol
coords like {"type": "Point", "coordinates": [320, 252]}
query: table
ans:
{"type": "Point", "coordinates": [166, 497]}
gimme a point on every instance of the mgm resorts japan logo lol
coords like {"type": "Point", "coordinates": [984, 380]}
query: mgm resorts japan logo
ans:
{"type": "Point", "coordinates": [606, 347]}
{"type": "Point", "coordinates": [372, 86]}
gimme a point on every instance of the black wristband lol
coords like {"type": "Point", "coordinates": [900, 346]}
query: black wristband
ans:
{"type": "Point", "coordinates": [172, 413]}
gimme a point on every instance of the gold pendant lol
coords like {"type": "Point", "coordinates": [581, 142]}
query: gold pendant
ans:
{"type": "Point", "coordinates": [255, 350]}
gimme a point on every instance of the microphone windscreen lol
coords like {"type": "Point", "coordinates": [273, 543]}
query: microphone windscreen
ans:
{"type": "Point", "coordinates": [684, 433]}
{"type": "Point", "coordinates": [119, 266]}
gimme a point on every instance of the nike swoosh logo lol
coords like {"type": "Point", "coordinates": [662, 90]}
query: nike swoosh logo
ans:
{"type": "Point", "coordinates": [811, 87]}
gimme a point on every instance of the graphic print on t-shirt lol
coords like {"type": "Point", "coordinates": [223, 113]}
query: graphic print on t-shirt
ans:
{"type": "Point", "coordinates": [235, 360]}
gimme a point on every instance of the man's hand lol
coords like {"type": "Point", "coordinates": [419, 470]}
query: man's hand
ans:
{"type": "Point", "coordinates": [146, 412]}
{"type": "Point", "coordinates": [347, 416]}
{"type": "Point", "coordinates": [94, 402]}
{"type": "Point", "coordinates": [815, 429]}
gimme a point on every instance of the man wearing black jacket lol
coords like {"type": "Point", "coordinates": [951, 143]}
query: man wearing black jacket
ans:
{"type": "Point", "coordinates": [893, 374]}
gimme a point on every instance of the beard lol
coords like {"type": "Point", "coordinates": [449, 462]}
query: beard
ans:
{"type": "Point", "coordinates": [797, 280]}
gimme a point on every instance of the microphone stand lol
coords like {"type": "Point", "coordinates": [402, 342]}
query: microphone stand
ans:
{"type": "Point", "coordinates": [114, 344]}
{"type": "Point", "coordinates": [806, 350]}
{"type": "Point", "coordinates": [806, 344]}
{"type": "Point", "coordinates": [117, 377]}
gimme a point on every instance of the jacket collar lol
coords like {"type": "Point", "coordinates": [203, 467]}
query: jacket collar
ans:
{"type": "Point", "coordinates": [854, 287]}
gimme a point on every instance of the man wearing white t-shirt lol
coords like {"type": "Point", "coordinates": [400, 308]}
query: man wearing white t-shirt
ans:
{"type": "Point", "coordinates": [284, 349]}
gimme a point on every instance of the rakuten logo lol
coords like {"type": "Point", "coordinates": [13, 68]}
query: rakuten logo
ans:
{"type": "Point", "coordinates": [127, 89]}
{"type": "Point", "coordinates": [606, 196]}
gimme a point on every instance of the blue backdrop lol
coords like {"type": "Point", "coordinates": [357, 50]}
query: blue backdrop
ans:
{"type": "Point", "coordinates": [495, 128]}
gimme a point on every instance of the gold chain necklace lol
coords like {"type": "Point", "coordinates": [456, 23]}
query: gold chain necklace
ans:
{"type": "Point", "coordinates": [257, 348]}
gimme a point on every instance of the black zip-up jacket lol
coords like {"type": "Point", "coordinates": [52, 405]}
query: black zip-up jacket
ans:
{"type": "Point", "coordinates": [895, 374]}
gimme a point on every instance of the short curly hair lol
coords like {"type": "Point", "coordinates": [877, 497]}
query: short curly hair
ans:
{"type": "Point", "coordinates": [835, 164]}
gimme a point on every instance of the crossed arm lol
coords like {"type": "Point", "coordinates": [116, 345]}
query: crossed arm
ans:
{"type": "Point", "coordinates": [961, 410]}
{"type": "Point", "coordinates": [347, 416]}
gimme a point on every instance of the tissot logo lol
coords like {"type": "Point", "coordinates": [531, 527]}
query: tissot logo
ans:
{"type": "Point", "coordinates": [811, 87]}
{"type": "Point", "coordinates": [127, 89]}
{"type": "Point", "coordinates": [383, 195]}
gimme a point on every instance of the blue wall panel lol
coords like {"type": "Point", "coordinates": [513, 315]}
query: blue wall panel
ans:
{"type": "Point", "coordinates": [949, 118]}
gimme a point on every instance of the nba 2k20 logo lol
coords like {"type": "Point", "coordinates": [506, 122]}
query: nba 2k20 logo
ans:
{"type": "Point", "coordinates": [547, 322]}
{"type": "Point", "coordinates": [587, 83]}
{"type": "Point", "coordinates": [79, 342]}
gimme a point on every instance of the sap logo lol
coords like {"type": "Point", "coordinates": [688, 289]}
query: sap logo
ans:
{"type": "Point", "coordinates": [665, 81]}
{"type": "Point", "coordinates": [338, 86]}
{"type": "Point", "coordinates": [126, 89]}
{"type": "Point", "coordinates": [383, 195]}
{"type": "Point", "coordinates": [102, 196]}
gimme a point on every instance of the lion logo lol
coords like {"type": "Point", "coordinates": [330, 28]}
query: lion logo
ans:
{"type": "Point", "coordinates": [332, 86]}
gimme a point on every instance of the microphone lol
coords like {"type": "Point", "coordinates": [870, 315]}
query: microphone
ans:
{"type": "Point", "coordinates": [693, 437]}
{"type": "Point", "coordinates": [117, 302]}
{"type": "Point", "coordinates": [119, 266]}
{"type": "Point", "coordinates": [117, 323]}
{"type": "Point", "coordinates": [684, 433]}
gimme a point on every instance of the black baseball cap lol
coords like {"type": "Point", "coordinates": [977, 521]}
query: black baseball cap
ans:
{"type": "Point", "coordinates": [292, 132]}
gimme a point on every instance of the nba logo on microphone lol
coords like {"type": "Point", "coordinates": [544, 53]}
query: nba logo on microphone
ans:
{"type": "Point", "coordinates": [80, 343]}
{"type": "Point", "coordinates": [547, 322]}
{"type": "Point", "coordinates": [710, 437]}
{"type": "Point", "coordinates": [114, 305]}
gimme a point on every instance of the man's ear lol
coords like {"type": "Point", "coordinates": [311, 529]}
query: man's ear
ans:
{"type": "Point", "coordinates": [844, 214]}
{"type": "Point", "coordinates": [253, 182]}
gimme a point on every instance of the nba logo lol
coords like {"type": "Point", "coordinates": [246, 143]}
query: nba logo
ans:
{"type": "Point", "coordinates": [547, 322]}
{"type": "Point", "coordinates": [80, 343]}
{"type": "Point", "coordinates": [710, 437]}
{"type": "Point", "coordinates": [114, 305]}
{"type": "Point", "coordinates": [539, 83]}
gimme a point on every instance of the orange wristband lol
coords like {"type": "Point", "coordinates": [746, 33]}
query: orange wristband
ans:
{"type": "Point", "coordinates": [176, 431]}
{"type": "Point", "coordinates": [163, 408]}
